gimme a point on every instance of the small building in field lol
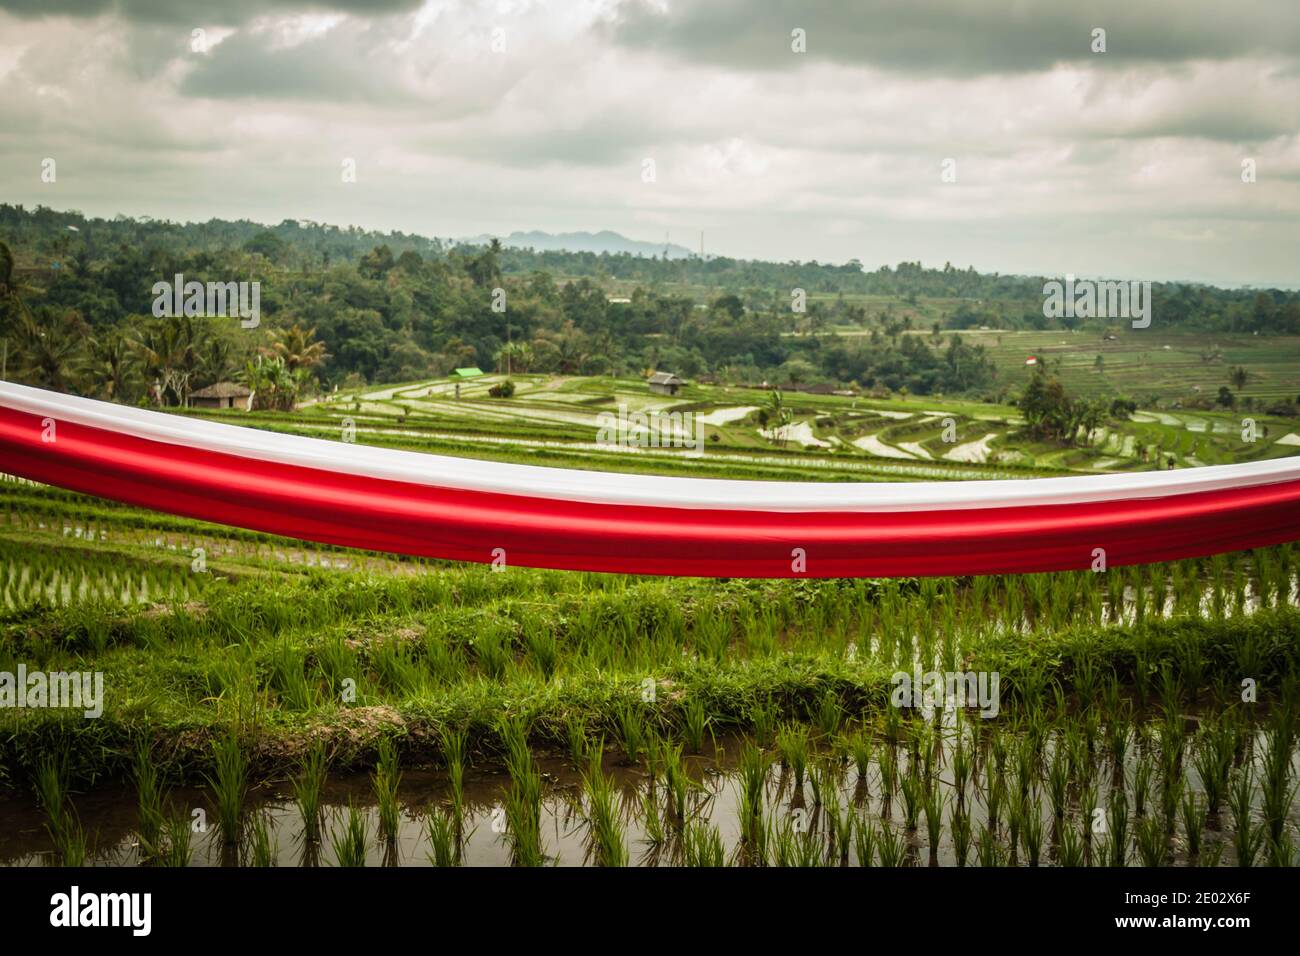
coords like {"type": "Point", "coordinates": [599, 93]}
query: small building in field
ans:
{"type": "Point", "coordinates": [665, 383]}
{"type": "Point", "coordinates": [220, 395]}
{"type": "Point", "coordinates": [463, 373]}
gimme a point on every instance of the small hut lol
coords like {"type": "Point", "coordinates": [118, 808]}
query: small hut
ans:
{"type": "Point", "coordinates": [665, 383]}
{"type": "Point", "coordinates": [220, 395]}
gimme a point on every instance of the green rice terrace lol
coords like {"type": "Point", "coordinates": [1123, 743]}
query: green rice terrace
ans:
{"type": "Point", "coordinates": [273, 702]}
{"type": "Point", "coordinates": [745, 433]}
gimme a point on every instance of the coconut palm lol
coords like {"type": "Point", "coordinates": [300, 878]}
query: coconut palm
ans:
{"type": "Point", "coordinates": [48, 350]}
{"type": "Point", "coordinates": [274, 385]}
{"type": "Point", "coordinates": [114, 367]}
{"type": "Point", "coordinates": [170, 353]}
{"type": "Point", "coordinates": [297, 347]}
{"type": "Point", "coordinates": [11, 291]}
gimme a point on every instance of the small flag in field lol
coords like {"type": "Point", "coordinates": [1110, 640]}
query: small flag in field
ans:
{"type": "Point", "coordinates": [1032, 360]}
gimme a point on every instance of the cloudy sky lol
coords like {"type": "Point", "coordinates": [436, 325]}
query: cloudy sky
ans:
{"type": "Point", "coordinates": [464, 118]}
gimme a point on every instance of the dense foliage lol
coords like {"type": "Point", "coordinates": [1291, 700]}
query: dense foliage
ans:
{"type": "Point", "coordinates": [76, 311]}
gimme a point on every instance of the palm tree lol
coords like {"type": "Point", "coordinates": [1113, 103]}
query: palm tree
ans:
{"type": "Point", "coordinates": [298, 347]}
{"type": "Point", "coordinates": [169, 351]}
{"type": "Point", "coordinates": [778, 417]}
{"type": "Point", "coordinates": [49, 352]}
{"type": "Point", "coordinates": [1238, 377]}
{"type": "Point", "coordinates": [10, 289]}
{"type": "Point", "coordinates": [515, 357]}
{"type": "Point", "coordinates": [483, 268]}
{"type": "Point", "coordinates": [113, 370]}
{"type": "Point", "coordinates": [274, 384]}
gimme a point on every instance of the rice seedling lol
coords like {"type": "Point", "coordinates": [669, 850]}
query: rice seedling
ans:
{"type": "Point", "coordinates": [1072, 846]}
{"type": "Point", "coordinates": [229, 785]}
{"type": "Point", "coordinates": [1015, 816]}
{"type": "Point", "coordinates": [987, 849]}
{"type": "Point", "coordinates": [308, 786]}
{"type": "Point", "coordinates": [1058, 782]}
{"type": "Point", "coordinates": [1212, 757]}
{"type": "Point", "coordinates": [69, 837]}
{"type": "Point", "coordinates": [1152, 844]}
{"type": "Point", "coordinates": [453, 753]}
{"type": "Point", "coordinates": [1192, 812]}
{"type": "Point", "coordinates": [695, 722]}
{"type": "Point", "coordinates": [523, 806]}
{"type": "Point", "coordinates": [998, 750]}
{"type": "Point", "coordinates": [839, 828]}
{"type": "Point", "coordinates": [677, 784]}
{"type": "Point", "coordinates": [702, 845]}
{"type": "Point", "coordinates": [864, 841]}
{"type": "Point", "coordinates": [830, 714]}
{"type": "Point", "coordinates": [934, 803]}
{"type": "Point", "coordinates": [441, 829]}
{"type": "Point", "coordinates": [350, 840]}
{"type": "Point", "coordinates": [1212, 854]}
{"type": "Point", "coordinates": [763, 719]}
{"type": "Point", "coordinates": [149, 802]}
{"type": "Point", "coordinates": [961, 833]}
{"type": "Point", "coordinates": [262, 846]}
{"type": "Point", "coordinates": [1031, 831]}
{"type": "Point", "coordinates": [1247, 838]}
{"type": "Point", "coordinates": [859, 747]}
{"type": "Point", "coordinates": [1088, 808]}
{"type": "Point", "coordinates": [575, 731]}
{"type": "Point", "coordinates": [652, 821]}
{"type": "Point", "coordinates": [1281, 852]}
{"type": "Point", "coordinates": [793, 844]}
{"type": "Point", "coordinates": [1141, 786]}
{"type": "Point", "coordinates": [1171, 795]}
{"type": "Point", "coordinates": [792, 743]}
{"type": "Point", "coordinates": [51, 792]}
{"type": "Point", "coordinates": [604, 826]}
{"type": "Point", "coordinates": [386, 780]}
{"type": "Point", "coordinates": [631, 729]}
{"type": "Point", "coordinates": [1170, 689]}
{"type": "Point", "coordinates": [995, 790]}
{"type": "Point", "coordinates": [1117, 826]}
{"type": "Point", "coordinates": [891, 847]}
{"type": "Point", "coordinates": [177, 834]}
{"type": "Point", "coordinates": [913, 792]}
{"type": "Point", "coordinates": [1278, 790]}
{"type": "Point", "coordinates": [752, 777]}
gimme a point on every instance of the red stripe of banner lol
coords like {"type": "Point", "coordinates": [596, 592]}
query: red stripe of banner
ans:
{"type": "Point", "coordinates": [407, 518]}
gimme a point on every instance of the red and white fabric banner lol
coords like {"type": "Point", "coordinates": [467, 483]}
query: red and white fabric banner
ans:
{"type": "Point", "coordinates": [382, 499]}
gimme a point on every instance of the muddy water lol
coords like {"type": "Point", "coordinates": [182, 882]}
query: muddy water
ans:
{"type": "Point", "coordinates": [109, 816]}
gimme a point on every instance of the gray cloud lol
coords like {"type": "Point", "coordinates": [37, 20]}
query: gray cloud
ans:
{"type": "Point", "coordinates": [1123, 164]}
{"type": "Point", "coordinates": [224, 13]}
{"type": "Point", "coordinates": [348, 63]}
{"type": "Point", "coordinates": [956, 37]}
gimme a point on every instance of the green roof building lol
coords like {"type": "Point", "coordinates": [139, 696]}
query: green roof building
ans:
{"type": "Point", "coordinates": [467, 373]}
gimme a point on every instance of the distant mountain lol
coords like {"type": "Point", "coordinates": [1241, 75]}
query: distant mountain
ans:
{"type": "Point", "coordinates": [597, 242]}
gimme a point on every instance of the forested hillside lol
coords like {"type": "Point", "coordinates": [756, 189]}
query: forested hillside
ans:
{"type": "Point", "coordinates": [344, 305]}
